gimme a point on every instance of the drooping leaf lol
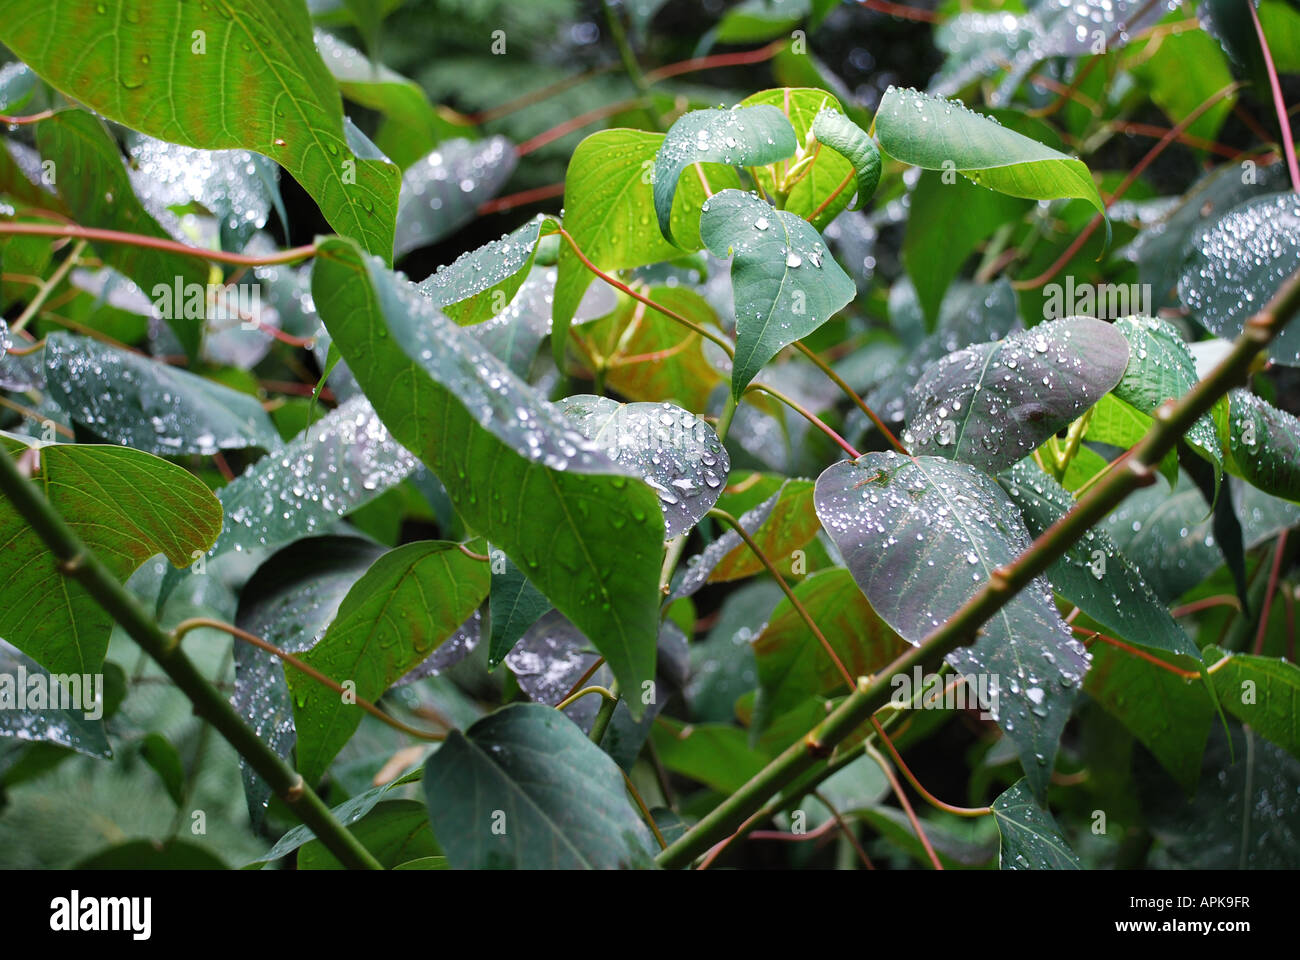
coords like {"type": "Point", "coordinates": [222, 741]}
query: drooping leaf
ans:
{"type": "Point", "coordinates": [442, 191]}
{"type": "Point", "coordinates": [850, 141]}
{"type": "Point", "coordinates": [587, 535]}
{"type": "Point", "coordinates": [1260, 691]}
{"type": "Point", "coordinates": [1031, 840]}
{"type": "Point", "coordinates": [402, 608]}
{"type": "Point", "coordinates": [394, 832]}
{"type": "Point", "coordinates": [609, 210]}
{"type": "Point", "coordinates": [1263, 445]}
{"type": "Point", "coordinates": [920, 537]}
{"type": "Point", "coordinates": [125, 506]}
{"type": "Point", "coordinates": [481, 283]}
{"type": "Point", "coordinates": [93, 183]}
{"type": "Point", "coordinates": [992, 404]}
{"type": "Point", "coordinates": [675, 452]}
{"type": "Point", "coordinates": [514, 606]}
{"type": "Point", "coordinates": [524, 789]}
{"type": "Point", "coordinates": [937, 134]}
{"type": "Point", "coordinates": [739, 137]}
{"type": "Point", "coordinates": [1235, 264]}
{"type": "Point", "coordinates": [132, 400]}
{"type": "Point", "coordinates": [1093, 574]}
{"type": "Point", "coordinates": [786, 282]}
{"type": "Point", "coordinates": [793, 665]}
{"type": "Point", "coordinates": [214, 76]}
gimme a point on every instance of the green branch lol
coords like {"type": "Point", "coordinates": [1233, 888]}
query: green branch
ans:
{"type": "Point", "coordinates": [1172, 420]}
{"type": "Point", "coordinates": [76, 562]}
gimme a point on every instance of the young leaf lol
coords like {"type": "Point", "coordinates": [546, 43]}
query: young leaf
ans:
{"type": "Point", "coordinates": [133, 400]}
{"type": "Point", "coordinates": [850, 141]}
{"type": "Point", "coordinates": [1031, 840]}
{"type": "Point", "coordinates": [992, 404]}
{"type": "Point", "coordinates": [524, 789]}
{"type": "Point", "coordinates": [740, 137]}
{"type": "Point", "coordinates": [786, 282]}
{"type": "Point", "coordinates": [675, 452]}
{"type": "Point", "coordinates": [213, 76]}
{"type": "Point", "coordinates": [920, 537]}
{"type": "Point", "coordinates": [1093, 574]}
{"type": "Point", "coordinates": [937, 134]}
{"type": "Point", "coordinates": [587, 535]}
{"type": "Point", "coordinates": [125, 506]}
{"type": "Point", "coordinates": [405, 605]}
{"type": "Point", "coordinates": [1263, 445]}
{"type": "Point", "coordinates": [97, 191]}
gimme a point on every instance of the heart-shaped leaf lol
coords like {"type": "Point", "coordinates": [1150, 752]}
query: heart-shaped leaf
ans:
{"type": "Point", "coordinates": [402, 608]}
{"type": "Point", "coordinates": [937, 134]}
{"type": "Point", "coordinates": [992, 404]}
{"type": "Point", "coordinates": [1093, 574]}
{"type": "Point", "coordinates": [921, 536]}
{"type": "Point", "coordinates": [675, 452]}
{"type": "Point", "coordinates": [588, 536]}
{"type": "Point", "coordinates": [850, 141]}
{"type": "Point", "coordinates": [132, 400]}
{"type": "Point", "coordinates": [125, 506]}
{"type": "Point", "coordinates": [1234, 265]}
{"type": "Point", "coordinates": [442, 191]}
{"type": "Point", "coordinates": [785, 281]}
{"type": "Point", "coordinates": [221, 69]}
{"type": "Point", "coordinates": [740, 137]}
{"type": "Point", "coordinates": [1264, 445]}
{"type": "Point", "coordinates": [524, 789]}
{"type": "Point", "coordinates": [1031, 840]}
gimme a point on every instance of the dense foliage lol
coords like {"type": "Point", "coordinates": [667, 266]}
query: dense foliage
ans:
{"type": "Point", "coordinates": [462, 433]}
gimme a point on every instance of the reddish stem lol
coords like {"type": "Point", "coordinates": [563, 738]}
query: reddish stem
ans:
{"type": "Point", "coordinates": [524, 197]}
{"type": "Point", "coordinates": [1284, 121]}
{"type": "Point", "coordinates": [1273, 574]}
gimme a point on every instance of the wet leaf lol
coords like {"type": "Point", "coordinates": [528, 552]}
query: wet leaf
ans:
{"type": "Point", "coordinates": [69, 728]}
{"type": "Point", "coordinates": [993, 403]}
{"type": "Point", "coordinates": [675, 452]}
{"type": "Point", "coordinates": [442, 191]}
{"type": "Point", "coordinates": [1093, 574]}
{"type": "Point", "coordinates": [1031, 840]}
{"type": "Point", "coordinates": [786, 282]}
{"type": "Point", "coordinates": [588, 536]}
{"type": "Point", "coordinates": [921, 537]}
{"type": "Point", "coordinates": [133, 400]}
{"type": "Point", "coordinates": [1263, 445]}
{"type": "Point", "coordinates": [402, 608]}
{"type": "Point", "coordinates": [125, 506]}
{"type": "Point", "coordinates": [739, 137]}
{"type": "Point", "coordinates": [481, 283]}
{"type": "Point", "coordinates": [524, 789]}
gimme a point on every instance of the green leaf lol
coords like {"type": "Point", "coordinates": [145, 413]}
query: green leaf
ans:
{"type": "Point", "coordinates": [70, 728]}
{"type": "Point", "coordinates": [793, 665]}
{"type": "Point", "coordinates": [608, 209]}
{"type": "Point", "coordinates": [850, 141]}
{"type": "Point", "coordinates": [482, 283]}
{"type": "Point", "coordinates": [159, 753]}
{"type": "Point", "coordinates": [589, 537]}
{"type": "Point", "coordinates": [442, 191]}
{"type": "Point", "coordinates": [132, 400]}
{"type": "Point", "coordinates": [753, 21]}
{"type": "Point", "coordinates": [715, 754]}
{"type": "Point", "coordinates": [1260, 691]}
{"type": "Point", "coordinates": [920, 536]}
{"type": "Point", "coordinates": [1178, 91]}
{"type": "Point", "coordinates": [125, 506]}
{"type": "Point", "coordinates": [249, 78]}
{"type": "Point", "coordinates": [828, 169]}
{"type": "Point", "coordinates": [408, 602]}
{"type": "Point", "coordinates": [394, 832]}
{"type": "Point", "coordinates": [1263, 445]}
{"type": "Point", "coordinates": [992, 404]}
{"type": "Point", "coordinates": [151, 855]}
{"type": "Point", "coordinates": [1119, 424]}
{"type": "Point", "coordinates": [1031, 840]}
{"type": "Point", "coordinates": [675, 452]}
{"type": "Point", "coordinates": [1234, 265]}
{"type": "Point", "coordinates": [786, 283]}
{"type": "Point", "coordinates": [1170, 715]}
{"type": "Point", "coordinates": [1093, 574]}
{"type": "Point", "coordinates": [514, 605]}
{"type": "Point", "coordinates": [93, 182]}
{"type": "Point", "coordinates": [739, 137]}
{"type": "Point", "coordinates": [524, 789]}
{"type": "Point", "coordinates": [937, 134]}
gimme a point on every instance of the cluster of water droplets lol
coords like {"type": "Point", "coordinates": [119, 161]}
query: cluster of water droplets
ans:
{"type": "Point", "coordinates": [443, 190]}
{"type": "Point", "coordinates": [19, 372]}
{"type": "Point", "coordinates": [481, 269]}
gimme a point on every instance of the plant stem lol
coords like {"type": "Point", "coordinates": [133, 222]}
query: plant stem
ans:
{"type": "Point", "coordinates": [43, 294]}
{"type": "Point", "coordinates": [1283, 121]}
{"type": "Point", "coordinates": [852, 395]}
{"type": "Point", "coordinates": [811, 417]}
{"type": "Point", "coordinates": [95, 235]}
{"type": "Point", "coordinates": [606, 713]}
{"type": "Point", "coordinates": [1172, 420]}
{"type": "Point", "coordinates": [76, 562]}
{"type": "Point", "coordinates": [728, 414]}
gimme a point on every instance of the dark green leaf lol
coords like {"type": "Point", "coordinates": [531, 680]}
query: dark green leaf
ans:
{"type": "Point", "coordinates": [514, 606]}
{"type": "Point", "coordinates": [159, 753]}
{"type": "Point", "coordinates": [394, 832]}
{"type": "Point", "coordinates": [850, 141]}
{"type": "Point", "coordinates": [1264, 445]}
{"type": "Point", "coordinates": [1031, 840]}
